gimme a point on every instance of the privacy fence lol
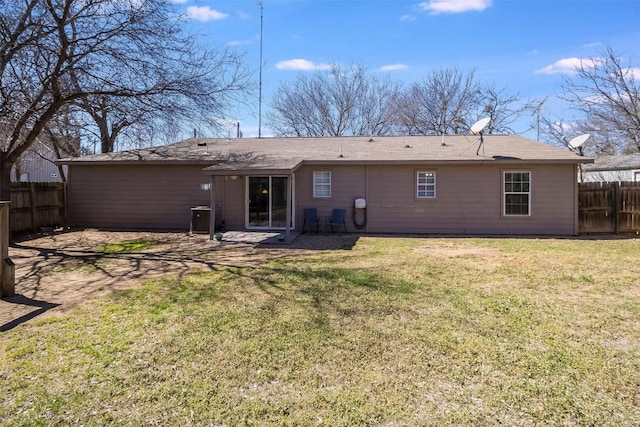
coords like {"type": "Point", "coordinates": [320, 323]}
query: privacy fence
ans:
{"type": "Point", "coordinates": [37, 205]}
{"type": "Point", "coordinates": [609, 207]}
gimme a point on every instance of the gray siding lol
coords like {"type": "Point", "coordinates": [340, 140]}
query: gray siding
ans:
{"type": "Point", "coordinates": [231, 202]}
{"type": "Point", "coordinates": [135, 196]}
{"type": "Point", "coordinates": [468, 199]}
{"type": "Point", "coordinates": [610, 176]}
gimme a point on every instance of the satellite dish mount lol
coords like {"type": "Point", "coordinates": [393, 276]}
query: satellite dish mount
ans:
{"type": "Point", "coordinates": [477, 129]}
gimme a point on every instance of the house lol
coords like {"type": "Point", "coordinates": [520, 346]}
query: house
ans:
{"type": "Point", "coordinates": [416, 184]}
{"type": "Point", "coordinates": [613, 168]}
{"type": "Point", "coordinates": [38, 163]}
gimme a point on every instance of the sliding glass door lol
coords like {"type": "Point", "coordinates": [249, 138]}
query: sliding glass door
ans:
{"type": "Point", "coordinates": [267, 202]}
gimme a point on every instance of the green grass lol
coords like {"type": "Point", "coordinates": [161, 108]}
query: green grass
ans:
{"type": "Point", "coordinates": [436, 332]}
{"type": "Point", "coordinates": [126, 246]}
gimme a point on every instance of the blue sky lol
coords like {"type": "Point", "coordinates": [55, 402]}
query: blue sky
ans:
{"type": "Point", "coordinates": [524, 46]}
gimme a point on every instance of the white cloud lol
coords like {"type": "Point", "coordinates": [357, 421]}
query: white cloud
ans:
{"type": "Point", "coordinates": [179, 1]}
{"type": "Point", "coordinates": [393, 67]}
{"type": "Point", "coordinates": [243, 42]}
{"type": "Point", "coordinates": [301, 65]}
{"type": "Point", "coordinates": [407, 18]}
{"type": "Point", "coordinates": [436, 7]}
{"type": "Point", "coordinates": [567, 66]}
{"type": "Point", "coordinates": [634, 72]}
{"type": "Point", "coordinates": [205, 13]}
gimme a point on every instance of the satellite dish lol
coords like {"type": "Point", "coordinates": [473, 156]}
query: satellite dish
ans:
{"type": "Point", "coordinates": [477, 129]}
{"type": "Point", "coordinates": [479, 126]}
{"type": "Point", "coordinates": [577, 142]}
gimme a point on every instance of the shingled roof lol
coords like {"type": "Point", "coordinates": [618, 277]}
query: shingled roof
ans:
{"type": "Point", "coordinates": [611, 163]}
{"type": "Point", "coordinates": [249, 155]}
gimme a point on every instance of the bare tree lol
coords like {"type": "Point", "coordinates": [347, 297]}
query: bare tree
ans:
{"type": "Point", "coordinates": [559, 132]}
{"type": "Point", "coordinates": [503, 109]}
{"type": "Point", "coordinates": [445, 102]}
{"type": "Point", "coordinates": [59, 52]}
{"type": "Point", "coordinates": [186, 96]}
{"type": "Point", "coordinates": [334, 103]}
{"type": "Point", "coordinates": [449, 101]}
{"type": "Point", "coordinates": [607, 93]}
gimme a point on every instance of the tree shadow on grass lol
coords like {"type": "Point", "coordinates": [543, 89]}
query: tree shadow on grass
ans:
{"type": "Point", "coordinates": [41, 307]}
{"type": "Point", "coordinates": [63, 273]}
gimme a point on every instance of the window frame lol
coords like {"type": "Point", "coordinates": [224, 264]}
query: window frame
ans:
{"type": "Point", "coordinates": [506, 193]}
{"type": "Point", "coordinates": [315, 184]}
{"type": "Point", "coordinates": [425, 186]}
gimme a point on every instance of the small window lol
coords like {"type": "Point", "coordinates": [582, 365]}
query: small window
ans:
{"type": "Point", "coordinates": [517, 193]}
{"type": "Point", "coordinates": [426, 185]}
{"type": "Point", "coordinates": [322, 184]}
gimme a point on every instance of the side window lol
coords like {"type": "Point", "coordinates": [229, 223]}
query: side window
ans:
{"type": "Point", "coordinates": [322, 184]}
{"type": "Point", "coordinates": [426, 185]}
{"type": "Point", "coordinates": [517, 193]}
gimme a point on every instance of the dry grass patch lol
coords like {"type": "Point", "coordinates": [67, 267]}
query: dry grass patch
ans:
{"type": "Point", "coordinates": [392, 332]}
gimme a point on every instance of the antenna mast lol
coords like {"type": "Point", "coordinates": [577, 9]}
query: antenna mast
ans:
{"type": "Point", "coordinates": [260, 79]}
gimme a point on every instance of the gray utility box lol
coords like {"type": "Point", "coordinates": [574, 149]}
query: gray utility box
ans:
{"type": "Point", "coordinates": [200, 216]}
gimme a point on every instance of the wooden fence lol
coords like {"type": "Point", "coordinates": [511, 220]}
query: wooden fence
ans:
{"type": "Point", "coordinates": [609, 207]}
{"type": "Point", "coordinates": [35, 205]}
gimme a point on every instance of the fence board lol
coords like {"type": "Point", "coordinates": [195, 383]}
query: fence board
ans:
{"type": "Point", "coordinates": [37, 204]}
{"type": "Point", "coordinates": [609, 207]}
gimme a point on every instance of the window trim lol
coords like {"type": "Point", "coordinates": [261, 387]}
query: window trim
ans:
{"type": "Point", "coordinates": [426, 185]}
{"type": "Point", "coordinates": [505, 193]}
{"type": "Point", "coordinates": [314, 184]}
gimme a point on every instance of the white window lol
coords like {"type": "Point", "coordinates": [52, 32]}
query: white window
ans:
{"type": "Point", "coordinates": [517, 193]}
{"type": "Point", "coordinates": [426, 185]}
{"type": "Point", "coordinates": [322, 184]}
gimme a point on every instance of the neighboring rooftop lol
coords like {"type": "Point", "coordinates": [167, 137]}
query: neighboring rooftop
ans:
{"type": "Point", "coordinates": [245, 154]}
{"type": "Point", "coordinates": [612, 163]}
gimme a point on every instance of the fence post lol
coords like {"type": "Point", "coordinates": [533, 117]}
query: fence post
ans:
{"type": "Point", "coordinates": [7, 267]}
{"type": "Point", "coordinates": [32, 205]}
{"type": "Point", "coordinates": [617, 201]}
{"type": "Point", "coordinates": [65, 205]}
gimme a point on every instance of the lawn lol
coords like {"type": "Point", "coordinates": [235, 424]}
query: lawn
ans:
{"type": "Point", "coordinates": [392, 332]}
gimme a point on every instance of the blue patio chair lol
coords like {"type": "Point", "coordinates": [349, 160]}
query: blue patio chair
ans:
{"type": "Point", "coordinates": [338, 219]}
{"type": "Point", "coordinates": [311, 218]}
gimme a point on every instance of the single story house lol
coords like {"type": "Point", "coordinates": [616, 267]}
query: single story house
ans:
{"type": "Point", "coordinates": [414, 184]}
{"type": "Point", "coordinates": [613, 168]}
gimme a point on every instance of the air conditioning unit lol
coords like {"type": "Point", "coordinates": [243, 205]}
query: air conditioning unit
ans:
{"type": "Point", "coordinates": [200, 217]}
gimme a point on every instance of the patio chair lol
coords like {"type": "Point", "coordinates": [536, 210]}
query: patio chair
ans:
{"type": "Point", "coordinates": [311, 218]}
{"type": "Point", "coordinates": [338, 219]}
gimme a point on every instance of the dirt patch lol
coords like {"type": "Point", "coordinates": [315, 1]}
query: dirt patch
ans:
{"type": "Point", "coordinates": [455, 251]}
{"type": "Point", "coordinates": [58, 271]}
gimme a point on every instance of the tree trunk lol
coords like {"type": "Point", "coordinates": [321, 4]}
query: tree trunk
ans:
{"type": "Point", "coordinates": [5, 177]}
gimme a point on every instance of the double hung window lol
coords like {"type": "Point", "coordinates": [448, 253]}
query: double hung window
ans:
{"type": "Point", "coordinates": [426, 185]}
{"type": "Point", "coordinates": [517, 193]}
{"type": "Point", "coordinates": [322, 184]}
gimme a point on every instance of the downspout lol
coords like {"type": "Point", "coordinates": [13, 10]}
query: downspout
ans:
{"type": "Point", "coordinates": [212, 213]}
{"type": "Point", "coordinates": [287, 230]}
{"type": "Point", "coordinates": [576, 201]}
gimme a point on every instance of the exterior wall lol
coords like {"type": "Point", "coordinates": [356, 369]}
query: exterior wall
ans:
{"type": "Point", "coordinates": [468, 199]}
{"type": "Point", "coordinates": [35, 168]}
{"type": "Point", "coordinates": [231, 201]}
{"type": "Point", "coordinates": [611, 176]}
{"type": "Point", "coordinates": [135, 196]}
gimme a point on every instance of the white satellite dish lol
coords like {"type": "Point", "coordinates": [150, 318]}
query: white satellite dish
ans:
{"type": "Point", "coordinates": [477, 129]}
{"type": "Point", "coordinates": [577, 142]}
{"type": "Point", "coordinates": [479, 126]}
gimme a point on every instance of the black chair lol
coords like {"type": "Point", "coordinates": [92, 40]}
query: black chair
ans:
{"type": "Point", "coordinates": [311, 218]}
{"type": "Point", "coordinates": [338, 219]}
